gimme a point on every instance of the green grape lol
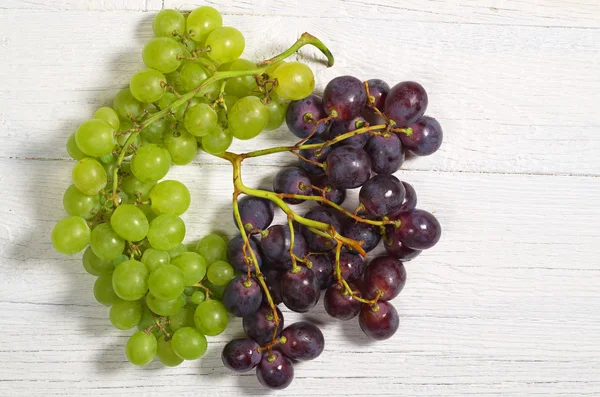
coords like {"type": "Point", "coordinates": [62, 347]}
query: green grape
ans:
{"type": "Point", "coordinates": [198, 297]}
{"type": "Point", "coordinates": [166, 100]}
{"type": "Point", "coordinates": [192, 265]}
{"type": "Point", "coordinates": [129, 222]}
{"type": "Point", "coordinates": [106, 159]}
{"type": "Point", "coordinates": [147, 85]}
{"type": "Point", "coordinates": [170, 197]}
{"type": "Point", "coordinates": [243, 85]}
{"type": "Point", "coordinates": [141, 348]}
{"type": "Point", "coordinates": [126, 106]}
{"type": "Point", "coordinates": [166, 282]}
{"type": "Point", "coordinates": [89, 177]}
{"type": "Point", "coordinates": [182, 147]}
{"type": "Point", "coordinates": [178, 250]}
{"type": "Point", "coordinates": [109, 115]}
{"type": "Point", "coordinates": [167, 22]}
{"type": "Point", "coordinates": [154, 132]}
{"type": "Point", "coordinates": [119, 259]}
{"type": "Point", "coordinates": [218, 141]}
{"type": "Point", "coordinates": [105, 243]}
{"type": "Point", "coordinates": [147, 210]}
{"type": "Point", "coordinates": [79, 204]}
{"type": "Point", "coordinates": [163, 307]}
{"type": "Point", "coordinates": [163, 54]}
{"type": "Point", "coordinates": [277, 110]}
{"type": "Point", "coordinates": [165, 353]}
{"type": "Point", "coordinates": [73, 150]}
{"type": "Point", "coordinates": [183, 318]}
{"type": "Point", "coordinates": [134, 187]}
{"type": "Point", "coordinates": [200, 119]}
{"type": "Point", "coordinates": [211, 317]}
{"type": "Point", "coordinates": [188, 343]}
{"type": "Point", "coordinates": [226, 44]}
{"type": "Point", "coordinates": [220, 273]}
{"type": "Point", "coordinates": [202, 21]}
{"type": "Point", "coordinates": [150, 163]}
{"type": "Point", "coordinates": [103, 290]}
{"type": "Point", "coordinates": [125, 314]}
{"type": "Point", "coordinates": [212, 248]}
{"type": "Point", "coordinates": [70, 235]}
{"type": "Point", "coordinates": [229, 100]}
{"type": "Point", "coordinates": [295, 81]}
{"type": "Point", "coordinates": [216, 291]}
{"type": "Point", "coordinates": [181, 110]}
{"type": "Point", "coordinates": [153, 259]}
{"type": "Point", "coordinates": [109, 168]}
{"type": "Point", "coordinates": [271, 69]}
{"type": "Point", "coordinates": [94, 265]}
{"type": "Point", "coordinates": [130, 280]}
{"type": "Point", "coordinates": [147, 318]}
{"type": "Point", "coordinates": [123, 138]}
{"type": "Point", "coordinates": [248, 117]}
{"type": "Point", "coordinates": [166, 232]}
{"type": "Point", "coordinates": [192, 75]}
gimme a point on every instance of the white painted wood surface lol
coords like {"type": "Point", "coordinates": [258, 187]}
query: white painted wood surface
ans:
{"type": "Point", "coordinates": [507, 304]}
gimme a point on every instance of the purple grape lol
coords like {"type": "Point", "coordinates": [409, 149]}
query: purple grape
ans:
{"type": "Point", "coordinates": [321, 243]}
{"type": "Point", "coordinates": [385, 274]}
{"type": "Point", "coordinates": [348, 167]}
{"type": "Point", "coordinates": [379, 321]}
{"type": "Point", "coordinates": [406, 103]}
{"type": "Point", "coordinates": [352, 266]}
{"type": "Point", "coordinates": [361, 231]}
{"type": "Point", "coordinates": [242, 296]}
{"type": "Point", "coordinates": [256, 213]}
{"type": "Point", "coordinates": [303, 341]}
{"type": "Point", "coordinates": [344, 97]}
{"type": "Point", "coordinates": [382, 195]}
{"type": "Point", "coordinates": [241, 355]}
{"type": "Point", "coordinates": [378, 90]}
{"type": "Point", "coordinates": [235, 257]}
{"type": "Point", "coordinates": [410, 199]}
{"type": "Point", "coordinates": [426, 137]}
{"type": "Point", "coordinates": [275, 246]}
{"type": "Point", "coordinates": [275, 371]}
{"type": "Point", "coordinates": [386, 153]}
{"type": "Point", "coordinates": [300, 290]}
{"type": "Point", "coordinates": [292, 180]}
{"type": "Point", "coordinates": [341, 127]}
{"type": "Point", "coordinates": [334, 194]}
{"type": "Point", "coordinates": [395, 248]}
{"type": "Point", "coordinates": [259, 326]}
{"type": "Point", "coordinates": [322, 268]}
{"type": "Point", "coordinates": [341, 305]}
{"type": "Point", "coordinates": [273, 281]}
{"type": "Point", "coordinates": [302, 115]}
{"type": "Point", "coordinates": [319, 155]}
{"type": "Point", "coordinates": [419, 230]}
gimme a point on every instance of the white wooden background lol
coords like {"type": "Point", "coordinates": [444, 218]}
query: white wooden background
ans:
{"type": "Point", "coordinates": [507, 304]}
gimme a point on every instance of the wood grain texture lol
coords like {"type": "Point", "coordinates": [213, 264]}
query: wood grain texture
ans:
{"type": "Point", "coordinates": [507, 304]}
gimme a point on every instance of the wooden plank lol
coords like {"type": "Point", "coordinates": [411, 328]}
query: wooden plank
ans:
{"type": "Point", "coordinates": [88, 5]}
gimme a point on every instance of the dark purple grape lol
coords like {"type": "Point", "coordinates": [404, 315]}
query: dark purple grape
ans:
{"type": "Point", "coordinates": [303, 341]}
{"type": "Point", "coordinates": [241, 355]}
{"type": "Point", "coordinates": [348, 167]}
{"type": "Point", "coordinates": [385, 274]}
{"type": "Point", "coordinates": [300, 290]}
{"type": "Point", "coordinates": [334, 194]}
{"type": "Point", "coordinates": [273, 281]}
{"type": "Point", "coordinates": [386, 153]}
{"type": "Point", "coordinates": [344, 97]}
{"type": "Point", "coordinates": [379, 321]}
{"type": "Point", "coordinates": [410, 199]}
{"type": "Point", "coordinates": [406, 103]}
{"type": "Point", "coordinates": [319, 155]}
{"type": "Point", "coordinates": [256, 213]}
{"type": "Point", "coordinates": [235, 256]}
{"type": "Point", "coordinates": [378, 90]}
{"type": "Point", "coordinates": [321, 243]}
{"type": "Point", "coordinates": [275, 371]}
{"type": "Point", "coordinates": [361, 231]}
{"type": "Point", "coordinates": [322, 269]}
{"type": "Point", "coordinates": [259, 326]}
{"type": "Point", "coordinates": [395, 248]}
{"type": "Point", "coordinates": [352, 266]}
{"type": "Point", "coordinates": [275, 246]}
{"type": "Point", "coordinates": [341, 127]}
{"type": "Point", "coordinates": [302, 115]}
{"type": "Point", "coordinates": [382, 195]}
{"type": "Point", "coordinates": [341, 305]}
{"type": "Point", "coordinates": [292, 180]}
{"type": "Point", "coordinates": [418, 230]}
{"type": "Point", "coordinates": [242, 296]}
{"type": "Point", "coordinates": [426, 137]}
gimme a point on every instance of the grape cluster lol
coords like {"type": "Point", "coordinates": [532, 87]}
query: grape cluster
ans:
{"type": "Point", "coordinates": [355, 136]}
